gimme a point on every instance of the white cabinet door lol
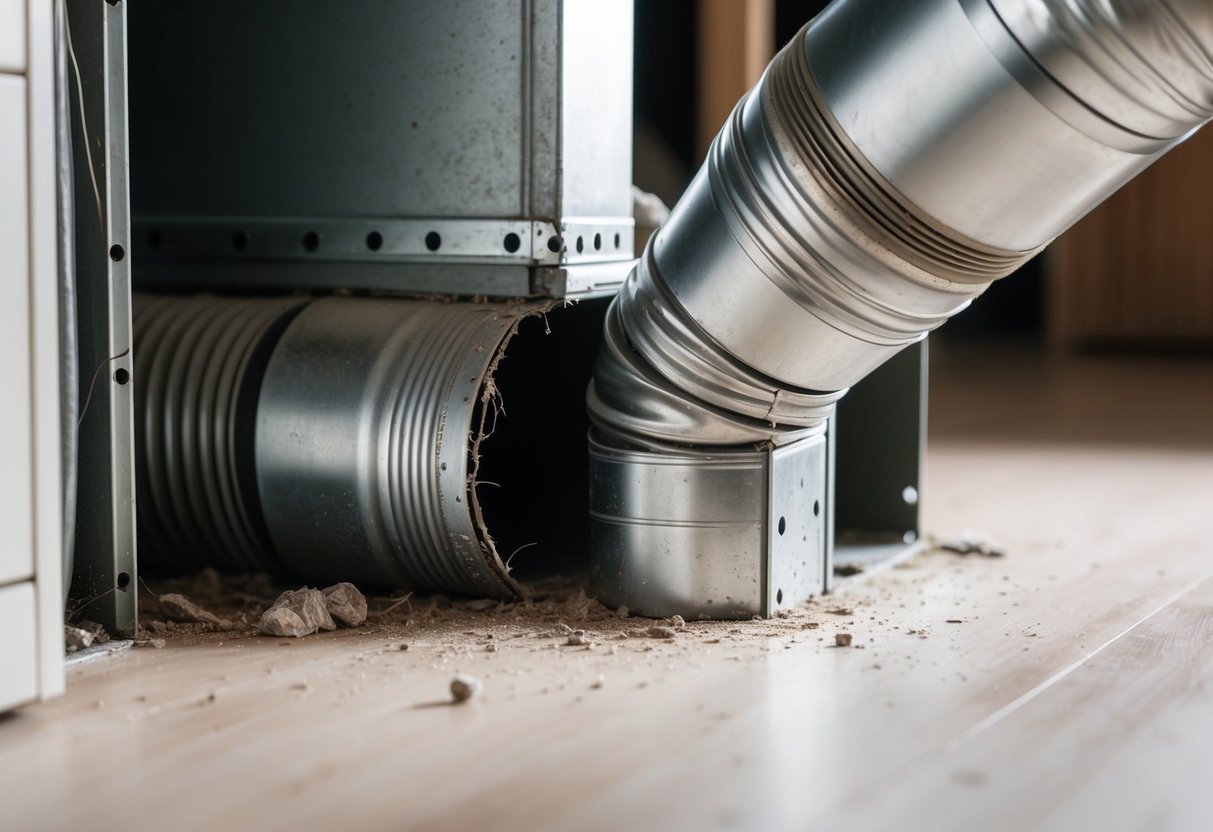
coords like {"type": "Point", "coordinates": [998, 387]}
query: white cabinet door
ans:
{"type": "Point", "coordinates": [18, 656]}
{"type": "Point", "coordinates": [12, 35]}
{"type": "Point", "coordinates": [16, 454]}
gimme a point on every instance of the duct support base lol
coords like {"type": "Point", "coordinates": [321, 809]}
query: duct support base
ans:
{"type": "Point", "coordinates": [719, 534]}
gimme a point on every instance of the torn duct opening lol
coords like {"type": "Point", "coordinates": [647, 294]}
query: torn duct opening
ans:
{"type": "Point", "coordinates": [396, 443]}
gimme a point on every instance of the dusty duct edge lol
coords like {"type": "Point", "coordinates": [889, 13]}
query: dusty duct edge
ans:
{"type": "Point", "coordinates": [490, 399]}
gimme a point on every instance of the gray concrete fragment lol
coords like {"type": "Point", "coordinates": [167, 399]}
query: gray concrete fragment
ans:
{"type": "Point", "coordinates": [308, 605]}
{"type": "Point", "coordinates": [100, 636]}
{"type": "Point", "coordinates": [345, 604]}
{"type": "Point", "coordinates": [74, 638]}
{"type": "Point", "coordinates": [283, 622]}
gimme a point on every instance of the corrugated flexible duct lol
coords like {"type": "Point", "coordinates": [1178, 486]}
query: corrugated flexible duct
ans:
{"type": "Point", "coordinates": [893, 161]}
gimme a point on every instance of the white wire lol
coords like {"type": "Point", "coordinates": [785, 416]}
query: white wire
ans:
{"type": "Point", "coordinates": [88, 149]}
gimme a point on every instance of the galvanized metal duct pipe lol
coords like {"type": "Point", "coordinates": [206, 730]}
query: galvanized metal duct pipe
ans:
{"type": "Point", "coordinates": [894, 160]}
{"type": "Point", "coordinates": [361, 439]}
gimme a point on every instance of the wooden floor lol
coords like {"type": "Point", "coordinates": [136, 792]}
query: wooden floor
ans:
{"type": "Point", "coordinates": [1075, 691]}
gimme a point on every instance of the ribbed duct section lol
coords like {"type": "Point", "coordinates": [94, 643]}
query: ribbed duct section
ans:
{"type": "Point", "coordinates": [351, 439]}
{"type": "Point", "coordinates": [199, 365]}
{"type": "Point", "coordinates": [367, 437]}
{"type": "Point", "coordinates": [893, 161]}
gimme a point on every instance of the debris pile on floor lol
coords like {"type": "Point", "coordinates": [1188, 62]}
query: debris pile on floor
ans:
{"type": "Point", "coordinates": [83, 635]}
{"type": "Point", "coordinates": [212, 603]}
{"type": "Point", "coordinates": [176, 607]}
{"type": "Point", "coordinates": [301, 612]}
{"type": "Point", "coordinates": [969, 542]}
{"type": "Point", "coordinates": [75, 638]}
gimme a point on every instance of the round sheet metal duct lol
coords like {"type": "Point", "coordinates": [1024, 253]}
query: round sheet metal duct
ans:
{"type": "Point", "coordinates": [350, 438]}
{"type": "Point", "coordinates": [893, 161]}
{"type": "Point", "coordinates": [199, 363]}
{"type": "Point", "coordinates": [367, 435]}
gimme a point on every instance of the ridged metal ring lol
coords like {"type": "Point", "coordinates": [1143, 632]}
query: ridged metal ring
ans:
{"type": "Point", "coordinates": [198, 366]}
{"type": "Point", "coordinates": [367, 437]}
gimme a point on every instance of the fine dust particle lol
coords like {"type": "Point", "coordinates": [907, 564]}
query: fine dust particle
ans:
{"type": "Point", "coordinates": [155, 643]}
{"type": "Point", "coordinates": [809, 625]}
{"type": "Point", "coordinates": [679, 622]}
{"type": "Point", "coordinates": [577, 638]}
{"type": "Point", "coordinates": [402, 647]}
{"type": "Point", "coordinates": [622, 612]}
{"type": "Point", "coordinates": [659, 632]}
{"type": "Point", "coordinates": [954, 621]}
{"type": "Point", "coordinates": [598, 683]}
{"type": "Point", "coordinates": [842, 639]}
{"type": "Point", "coordinates": [841, 611]}
{"type": "Point", "coordinates": [490, 648]}
{"type": "Point", "coordinates": [465, 687]}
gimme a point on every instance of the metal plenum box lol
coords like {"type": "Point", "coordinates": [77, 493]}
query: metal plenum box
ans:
{"type": "Point", "coordinates": [271, 141]}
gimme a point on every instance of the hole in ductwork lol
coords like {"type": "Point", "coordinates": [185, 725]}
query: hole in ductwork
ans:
{"type": "Point", "coordinates": [240, 240]}
{"type": "Point", "coordinates": [783, 525]}
{"type": "Point", "coordinates": [580, 245]}
{"type": "Point", "coordinates": [433, 241]}
{"type": "Point", "coordinates": [779, 597]}
{"type": "Point", "coordinates": [124, 580]}
{"type": "Point", "coordinates": [374, 241]}
{"type": "Point", "coordinates": [597, 242]}
{"type": "Point", "coordinates": [122, 376]}
{"type": "Point", "coordinates": [512, 242]}
{"type": "Point", "coordinates": [117, 252]}
{"type": "Point", "coordinates": [534, 466]}
{"type": "Point", "coordinates": [311, 241]}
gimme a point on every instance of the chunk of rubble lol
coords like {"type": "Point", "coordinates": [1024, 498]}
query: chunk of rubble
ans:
{"type": "Point", "coordinates": [76, 638]}
{"type": "Point", "coordinates": [465, 686]}
{"type": "Point", "coordinates": [100, 636]}
{"type": "Point", "coordinates": [308, 608]}
{"type": "Point", "coordinates": [176, 607]}
{"type": "Point", "coordinates": [282, 622]}
{"type": "Point", "coordinates": [345, 604]}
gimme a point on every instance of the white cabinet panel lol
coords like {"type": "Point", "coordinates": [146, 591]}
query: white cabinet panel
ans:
{"type": "Point", "coordinates": [16, 507]}
{"type": "Point", "coordinates": [12, 35]}
{"type": "Point", "coordinates": [18, 648]}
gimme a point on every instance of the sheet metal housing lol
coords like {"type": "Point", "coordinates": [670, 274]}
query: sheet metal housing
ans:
{"type": "Point", "coordinates": [404, 141]}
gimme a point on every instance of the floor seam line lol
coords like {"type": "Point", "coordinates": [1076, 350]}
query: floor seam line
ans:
{"type": "Point", "coordinates": [1019, 702]}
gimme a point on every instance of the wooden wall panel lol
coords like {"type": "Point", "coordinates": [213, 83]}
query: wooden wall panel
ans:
{"type": "Point", "coordinates": [736, 41]}
{"type": "Point", "coordinates": [1139, 269]}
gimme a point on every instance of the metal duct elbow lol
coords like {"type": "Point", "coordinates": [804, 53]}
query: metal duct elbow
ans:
{"type": "Point", "coordinates": [893, 161]}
